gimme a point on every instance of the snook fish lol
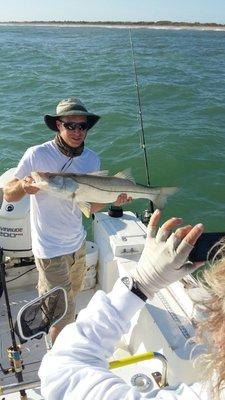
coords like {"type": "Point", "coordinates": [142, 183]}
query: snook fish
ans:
{"type": "Point", "coordinates": [98, 187]}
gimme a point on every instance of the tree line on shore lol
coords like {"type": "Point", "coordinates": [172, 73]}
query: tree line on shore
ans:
{"type": "Point", "coordinates": [132, 23]}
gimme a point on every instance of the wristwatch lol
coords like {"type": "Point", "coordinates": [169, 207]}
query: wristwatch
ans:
{"type": "Point", "coordinates": [133, 287]}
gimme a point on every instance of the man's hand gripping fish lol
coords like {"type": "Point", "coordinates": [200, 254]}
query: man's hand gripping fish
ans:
{"type": "Point", "coordinates": [97, 187]}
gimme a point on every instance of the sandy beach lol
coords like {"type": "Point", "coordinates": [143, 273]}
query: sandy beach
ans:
{"type": "Point", "coordinates": [120, 25]}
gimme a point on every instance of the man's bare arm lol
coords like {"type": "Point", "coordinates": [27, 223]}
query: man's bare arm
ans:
{"type": "Point", "coordinates": [16, 189]}
{"type": "Point", "coordinates": [121, 199]}
{"type": "Point", "coordinates": [95, 207]}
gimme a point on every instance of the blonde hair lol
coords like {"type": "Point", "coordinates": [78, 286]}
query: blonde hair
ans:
{"type": "Point", "coordinates": [211, 328]}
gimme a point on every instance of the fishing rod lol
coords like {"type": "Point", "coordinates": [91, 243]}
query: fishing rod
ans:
{"type": "Point", "coordinates": [142, 134]}
{"type": "Point", "coordinates": [14, 352]}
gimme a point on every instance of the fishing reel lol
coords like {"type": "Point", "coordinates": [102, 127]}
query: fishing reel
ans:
{"type": "Point", "coordinates": [16, 362]}
{"type": "Point", "coordinates": [145, 217]}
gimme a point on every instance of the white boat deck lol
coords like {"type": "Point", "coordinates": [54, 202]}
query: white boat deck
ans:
{"type": "Point", "coordinates": [32, 350]}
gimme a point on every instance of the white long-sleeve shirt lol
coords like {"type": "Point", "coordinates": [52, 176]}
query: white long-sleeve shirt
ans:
{"type": "Point", "coordinates": [77, 366]}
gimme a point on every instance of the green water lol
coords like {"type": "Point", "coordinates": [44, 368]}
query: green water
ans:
{"type": "Point", "coordinates": [181, 76]}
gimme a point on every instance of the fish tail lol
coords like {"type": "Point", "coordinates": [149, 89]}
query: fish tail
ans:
{"type": "Point", "coordinates": [161, 198]}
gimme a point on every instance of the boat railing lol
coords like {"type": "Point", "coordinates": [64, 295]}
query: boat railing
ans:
{"type": "Point", "coordinates": [123, 362]}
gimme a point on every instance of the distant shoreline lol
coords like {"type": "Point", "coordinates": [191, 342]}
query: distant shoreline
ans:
{"type": "Point", "coordinates": [121, 24]}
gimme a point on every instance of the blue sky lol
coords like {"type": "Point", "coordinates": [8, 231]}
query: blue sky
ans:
{"type": "Point", "coordinates": [115, 10]}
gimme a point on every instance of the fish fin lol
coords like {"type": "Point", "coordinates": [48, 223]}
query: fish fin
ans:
{"type": "Point", "coordinates": [85, 208]}
{"type": "Point", "coordinates": [99, 173]}
{"type": "Point", "coordinates": [126, 174]}
{"type": "Point", "coordinates": [161, 199]}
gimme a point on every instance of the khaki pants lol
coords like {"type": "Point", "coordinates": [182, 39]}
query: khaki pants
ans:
{"type": "Point", "coordinates": [67, 271]}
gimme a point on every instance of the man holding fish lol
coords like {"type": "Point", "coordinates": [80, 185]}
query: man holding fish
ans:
{"type": "Point", "coordinates": [58, 235]}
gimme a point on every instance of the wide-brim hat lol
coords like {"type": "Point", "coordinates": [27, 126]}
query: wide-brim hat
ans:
{"type": "Point", "coordinates": [71, 106]}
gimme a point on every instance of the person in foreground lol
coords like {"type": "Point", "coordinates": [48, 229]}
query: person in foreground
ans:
{"type": "Point", "coordinates": [77, 365]}
{"type": "Point", "coordinates": [58, 235]}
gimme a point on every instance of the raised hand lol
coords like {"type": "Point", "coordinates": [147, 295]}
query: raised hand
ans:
{"type": "Point", "coordinates": [164, 259]}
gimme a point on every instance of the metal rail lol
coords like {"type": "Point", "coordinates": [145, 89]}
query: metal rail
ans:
{"type": "Point", "coordinates": [123, 362]}
{"type": "Point", "coordinates": [15, 387]}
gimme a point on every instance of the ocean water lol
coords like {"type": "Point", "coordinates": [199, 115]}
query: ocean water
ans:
{"type": "Point", "coordinates": [181, 76]}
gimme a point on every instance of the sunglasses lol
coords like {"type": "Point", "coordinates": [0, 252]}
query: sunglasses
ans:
{"type": "Point", "coordinates": [72, 126]}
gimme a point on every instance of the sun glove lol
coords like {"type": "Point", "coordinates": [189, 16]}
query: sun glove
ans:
{"type": "Point", "coordinates": [163, 261]}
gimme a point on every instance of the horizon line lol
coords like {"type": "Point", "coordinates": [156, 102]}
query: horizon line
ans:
{"type": "Point", "coordinates": [159, 22]}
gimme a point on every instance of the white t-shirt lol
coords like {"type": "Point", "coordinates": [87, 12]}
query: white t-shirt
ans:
{"type": "Point", "coordinates": [56, 224]}
{"type": "Point", "coordinates": [77, 365]}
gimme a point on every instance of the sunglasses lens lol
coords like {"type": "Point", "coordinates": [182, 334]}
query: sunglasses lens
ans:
{"type": "Point", "coordinates": [71, 126]}
{"type": "Point", "coordinates": [82, 126]}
